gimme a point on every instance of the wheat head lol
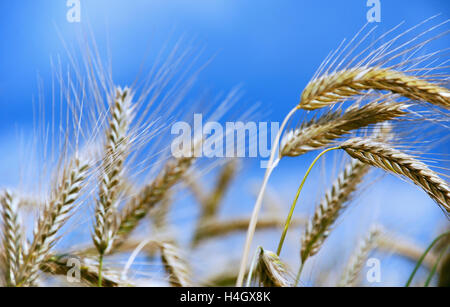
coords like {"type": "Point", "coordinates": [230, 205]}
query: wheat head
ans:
{"type": "Point", "coordinates": [117, 142]}
{"type": "Point", "coordinates": [53, 217]}
{"type": "Point", "coordinates": [383, 156]}
{"type": "Point", "coordinates": [12, 239]}
{"type": "Point", "coordinates": [329, 209]}
{"type": "Point", "coordinates": [319, 133]}
{"type": "Point", "coordinates": [340, 85]}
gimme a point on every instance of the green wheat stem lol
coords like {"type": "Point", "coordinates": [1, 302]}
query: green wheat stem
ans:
{"type": "Point", "coordinates": [297, 279]}
{"type": "Point", "coordinates": [419, 263]}
{"type": "Point", "coordinates": [100, 268]}
{"type": "Point", "coordinates": [291, 212]}
{"type": "Point", "coordinates": [435, 266]}
{"type": "Point", "coordinates": [254, 218]}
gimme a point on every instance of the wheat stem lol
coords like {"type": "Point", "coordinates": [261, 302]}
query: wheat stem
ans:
{"type": "Point", "coordinates": [257, 207]}
{"type": "Point", "coordinates": [291, 211]}
{"type": "Point", "coordinates": [419, 263]}
{"type": "Point", "coordinates": [100, 269]}
{"type": "Point", "coordinates": [299, 273]}
{"type": "Point", "coordinates": [435, 266]}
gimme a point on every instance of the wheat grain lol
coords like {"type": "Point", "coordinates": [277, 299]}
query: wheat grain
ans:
{"type": "Point", "coordinates": [55, 214]}
{"type": "Point", "coordinates": [358, 258]}
{"type": "Point", "coordinates": [12, 239]}
{"type": "Point", "coordinates": [330, 207]}
{"type": "Point", "coordinates": [316, 134]}
{"type": "Point", "coordinates": [117, 139]}
{"type": "Point", "coordinates": [340, 85]}
{"type": "Point", "coordinates": [383, 156]}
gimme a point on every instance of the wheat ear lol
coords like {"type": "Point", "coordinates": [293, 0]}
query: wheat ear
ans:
{"type": "Point", "coordinates": [270, 271]}
{"type": "Point", "coordinates": [12, 239]}
{"type": "Point", "coordinates": [330, 207]}
{"type": "Point", "coordinates": [356, 262]}
{"type": "Point", "coordinates": [224, 180]}
{"type": "Point", "coordinates": [116, 148]}
{"type": "Point", "coordinates": [381, 155]}
{"type": "Point", "coordinates": [317, 134]}
{"type": "Point", "coordinates": [55, 214]}
{"type": "Point", "coordinates": [340, 85]}
{"type": "Point", "coordinates": [175, 266]}
{"type": "Point", "coordinates": [138, 206]}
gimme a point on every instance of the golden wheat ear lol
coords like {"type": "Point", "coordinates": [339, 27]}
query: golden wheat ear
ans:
{"type": "Point", "coordinates": [381, 155]}
{"type": "Point", "coordinates": [317, 134]}
{"type": "Point", "coordinates": [112, 168]}
{"type": "Point", "coordinates": [341, 85]}
{"type": "Point", "coordinates": [329, 209]}
{"type": "Point", "coordinates": [53, 217]}
{"type": "Point", "coordinates": [12, 239]}
{"type": "Point", "coordinates": [389, 64]}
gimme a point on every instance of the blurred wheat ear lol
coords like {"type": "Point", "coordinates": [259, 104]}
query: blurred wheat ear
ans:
{"type": "Point", "coordinates": [357, 260]}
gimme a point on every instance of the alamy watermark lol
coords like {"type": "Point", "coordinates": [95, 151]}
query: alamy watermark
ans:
{"type": "Point", "coordinates": [74, 12]}
{"type": "Point", "coordinates": [374, 13]}
{"type": "Point", "coordinates": [231, 140]}
{"type": "Point", "coordinates": [373, 274]}
{"type": "Point", "coordinates": [73, 274]}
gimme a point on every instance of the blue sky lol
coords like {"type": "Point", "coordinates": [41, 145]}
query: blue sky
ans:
{"type": "Point", "coordinates": [270, 48]}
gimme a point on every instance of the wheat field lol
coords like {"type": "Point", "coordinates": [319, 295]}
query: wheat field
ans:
{"type": "Point", "coordinates": [374, 110]}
